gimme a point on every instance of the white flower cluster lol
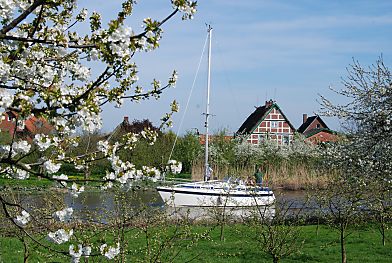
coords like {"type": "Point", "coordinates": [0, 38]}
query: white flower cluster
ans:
{"type": "Point", "coordinates": [123, 171]}
{"type": "Point", "coordinates": [23, 219]}
{"type": "Point", "coordinates": [77, 252]}
{"type": "Point", "coordinates": [103, 146]}
{"type": "Point", "coordinates": [22, 147]}
{"type": "Point", "coordinates": [51, 167]}
{"type": "Point", "coordinates": [130, 140]}
{"type": "Point", "coordinates": [75, 190]}
{"type": "Point", "coordinates": [42, 141]}
{"type": "Point", "coordinates": [79, 71]}
{"type": "Point", "coordinates": [6, 98]}
{"type": "Point", "coordinates": [18, 173]}
{"type": "Point", "coordinates": [60, 236]}
{"type": "Point", "coordinates": [82, 15]}
{"type": "Point", "coordinates": [120, 41]}
{"type": "Point", "coordinates": [174, 166]}
{"type": "Point", "coordinates": [187, 7]}
{"type": "Point", "coordinates": [149, 135]}
{"type": "Point", "coordinates": [151, 173]}
{"type": "Point", "coordinates": [61, 178]}
{"type": "Point", "coordinates": [110, 252]}
{"type": "Point", "coordinates": [88, 120]}
{"type": "Point", "coordinates": [7, 8]}
{"type": "Point", "coordinates": [63, 215]}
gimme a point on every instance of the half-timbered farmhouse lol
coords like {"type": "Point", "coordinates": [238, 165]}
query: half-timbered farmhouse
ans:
{"type": "Point", "coordinates": [315, 130]}
{"type": "Point", "coordinates": [267, 122]}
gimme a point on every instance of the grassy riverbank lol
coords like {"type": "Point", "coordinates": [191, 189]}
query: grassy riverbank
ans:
{"type": "Point", "coordinates": [364, 245]}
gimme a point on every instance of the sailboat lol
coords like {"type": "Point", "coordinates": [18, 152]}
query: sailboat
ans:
{"type": "Point", "coordinates": [228, 193]}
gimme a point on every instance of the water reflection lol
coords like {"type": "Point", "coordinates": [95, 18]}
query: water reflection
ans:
{"type": "Point", "coordinates": [102, 207]}
{"type": "Point", "coordinates": [229, 214]}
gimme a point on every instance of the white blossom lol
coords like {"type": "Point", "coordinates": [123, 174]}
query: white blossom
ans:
{"type": "Point", "coordinates": [103, 146]}
{"type": "Point", "coordinates": [75, 190]}
{"type": "Point", "coordinates": [80, 167]}
{"type": "Point", "coordinates": [187, 7]}
{"type": "Point", "coordinates": [120, 41]}
{"type": "Point", "coordinates": [110, 252]}
{"type": "Point", "coordinates": [89, 121]}
{"type": "Point", "coordinates": [94, 55]}
{"type": "Point", "coordinates": [6, 98]}
{"type": "Point", "coordinates": [21, 147]}
{"type": "Point", "coordinates": [7, 8]}
{"type": "Point", "coordinates": [42, 141]}
{"type": "Point", "coordinates": [4, 150]}
{"type": "Point", "coordinates": [51, 167]}
{"type": "Point", "coordinates": [60, 236]}
{"type": "Point", "coordinates": [106, 186]}
{"type": "Point", "coordinates": [62, 178]}
{"type": "Point", "coordinates": [82, 15]}
{"type": "Point", "coordinates": [19, 174]}
{"type": "Point", "coordinates": [77, 252]}
{"type": "Point", "coordinates": [63, 215]}
{"type": "Point", "coordinates": [23, 219]}
{"type": "Point", "coordinates": [151, 173]}
{"type": "Point", "coordinates": [174, 166]}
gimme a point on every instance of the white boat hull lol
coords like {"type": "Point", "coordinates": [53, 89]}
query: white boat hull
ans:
{"type": "Point", "coordinates": [206, 195]}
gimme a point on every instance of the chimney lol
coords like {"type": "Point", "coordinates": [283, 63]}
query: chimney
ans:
{"type": "Point", "coordinates": [269, 103]}
{"type": "Point", "coordinates": [304, 117]}
{"type": "Point", "coordinates": [126, 120]}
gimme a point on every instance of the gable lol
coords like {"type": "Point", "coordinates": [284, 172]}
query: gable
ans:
{"type": "Point", "coordinates": [273, 112]}
{"type": "Point", "coordinates": [252, 120]}
{"type": "Point", "coordinates": [273, 125]}
{"type": "Point", "coordinates": [313, 122]}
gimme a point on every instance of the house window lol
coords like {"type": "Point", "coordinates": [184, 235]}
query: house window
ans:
{"type": "Point", "coordinates": [38, 124]}
{"type": "Point", "coordinates": [261, 138]}
{"type": "Point", "coordinates": [9, 118]}
{"type": "Point", "coordinates": [286, 139]}
{"type": "Point", "coordinates": [318, 126]}
{"type": "Point", "coordinates": [274, 124]}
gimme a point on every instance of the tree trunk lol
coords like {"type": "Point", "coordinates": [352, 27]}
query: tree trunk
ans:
{"type": "Point", "coordinates": [26, 251]}
{"type": "Point", "coordinates": [275, 259]}
{"type": "Point", "coordinates": [382, 227]}
{"type": "Point", "coordinates": [343, 245]}
{"type": "Point", "coordinates": [383, 235]}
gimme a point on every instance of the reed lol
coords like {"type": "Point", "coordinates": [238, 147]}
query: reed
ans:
{"type": "Point", "coordinates": [285, 174]}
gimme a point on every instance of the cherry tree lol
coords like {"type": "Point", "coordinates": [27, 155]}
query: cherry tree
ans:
{"type": "Point", "coordinates": [365, 154]}
{"type": "Point", "coordinates": [46, 71]}
{"type": "Point", "coordinates": [362, 161]}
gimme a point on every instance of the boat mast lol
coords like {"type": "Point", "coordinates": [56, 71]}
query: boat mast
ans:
{"type": "Point", "coordinates": [207, 172]}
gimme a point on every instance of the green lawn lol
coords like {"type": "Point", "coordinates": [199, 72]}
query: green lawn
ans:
{"type": "Point", "coordinates": [363, 245]}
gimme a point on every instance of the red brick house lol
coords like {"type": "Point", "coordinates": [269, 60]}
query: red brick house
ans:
{"type": "Point", "coordinates": [267, 122]}
{"type": "Point", "coordinates": [315, 130]}
{"type": "Point", "coordinates": [33, 126]}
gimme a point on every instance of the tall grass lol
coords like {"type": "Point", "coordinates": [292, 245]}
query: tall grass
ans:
{"type": "Point", "coordinates": [286, 174]}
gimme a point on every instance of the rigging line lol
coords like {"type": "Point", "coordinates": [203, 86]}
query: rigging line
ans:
{"type": "Point", "coordinates": [189, 98]}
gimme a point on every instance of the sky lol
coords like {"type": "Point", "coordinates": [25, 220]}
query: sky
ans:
{"type": "Point", "coordinates": [288, 51]}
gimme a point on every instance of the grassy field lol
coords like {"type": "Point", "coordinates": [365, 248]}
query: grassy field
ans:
{"type": "Point", "coordinates": [364, 245]}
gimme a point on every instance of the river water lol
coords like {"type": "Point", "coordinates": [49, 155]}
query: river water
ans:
{"type": "Point", "coordinates": [108, 204]}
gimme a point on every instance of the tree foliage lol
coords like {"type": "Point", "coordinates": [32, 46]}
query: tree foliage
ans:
{"type": "Point", "coordinates": [46, 71]}
{"type": "Point", "coordinates": [362, 162]}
